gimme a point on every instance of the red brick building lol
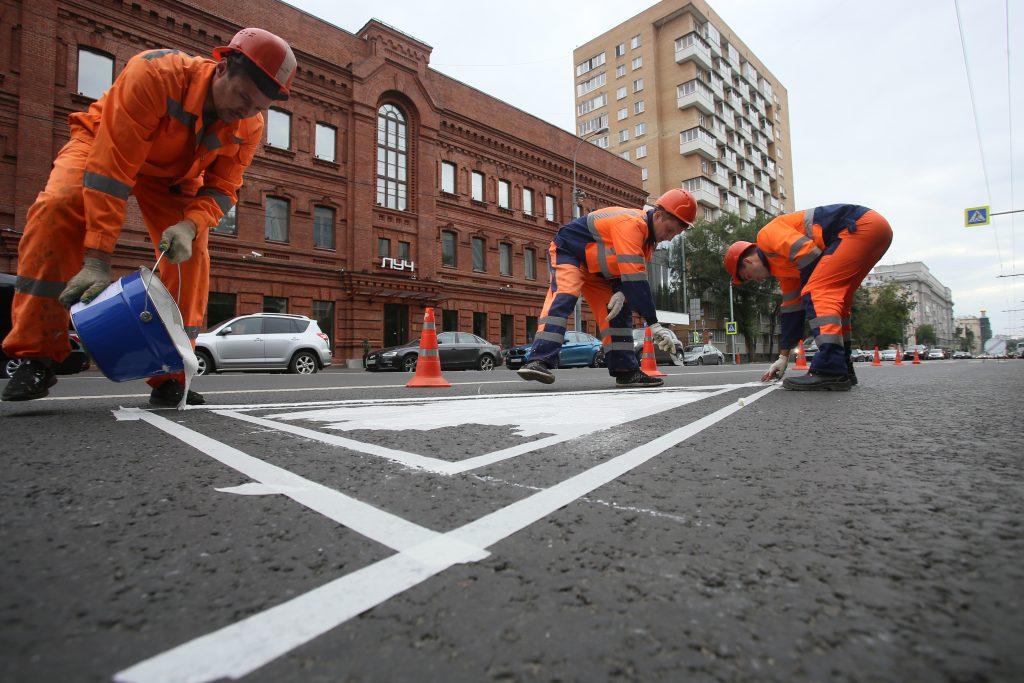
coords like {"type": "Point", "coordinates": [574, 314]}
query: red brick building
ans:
{"type": "Point", "coordinates": [382, 186]}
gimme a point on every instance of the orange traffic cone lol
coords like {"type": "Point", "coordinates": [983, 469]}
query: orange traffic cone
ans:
{"type": "Point", "coordinates": [899, 356]}
{"type": "Point", "coordinates": [917, 358]}
{"type": "Point", "coordinates": [801, 357]}
{"type": "Point", "coordinates": [648, 361]}
{"type": "Point", "coordinates": [428, 365]}
{"type": "Point", "coordinates": [878, 358]}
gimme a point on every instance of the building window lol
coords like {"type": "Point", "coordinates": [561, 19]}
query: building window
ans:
{"type": "Point", "coordinates": [479, 261]}
{"type": "Point", "coordinates": [643, 173]}
{"type": "Point", "coordinates": [530, 263]}
{"type": "Point", "coordinates": [549, 208]}
{"type": "Point", "coordinates": [622, 113]}
{"type": "Point", "coordinates": [592, 63]}
{"type": "Point", "coordinates": [590, 84]}
{"type": "Point", "coordinates": [640, 129]}
{"type": "Point", "coordinates": [620, 71]}
{"type": "Point", "coordinates": [478, 186]}
{"type": "Point", "coordinates": [383, 247]}
{"type": "Point", "coordinates": [279, 128]}
{"type": "Point", "coordinates": [275, 304]}
{"type": "Point", "coordinates": [634, 42]}
{"type": "Point", "coordinates": [637, 63]}
{"type": "Point", "coordinates": [527, 201]}
{"type": "Point", "coordinates": [625, 155]}
{"type": "Point", "coordinates": [480, 324]}
{"type": "Point", "coordinates": [448, 177]}
{"type": "Point", "coordinates": [220, 307]}
{"type": "Point", "coordinates": [638, 107]}
{"type": "Point", "coordinates": [325, 141]}
{"type": "Point", "coordinates": [638, 85]}
{"type": "Point", "coordinates": [228, 224]}
{"type": "Point", "coordinates": [449, 320]}
{"type": "Point", "coordinates": [391, 158]}
{"type": "Point", "coordinates": [620, 93]}
{"type": "Point", "coordinates": [641, 151]}
{"type": "Point", "coordinates": [276, 220]}
{"type": "Point", "coordinates": [624, 135]}
{"type": "Point", "coordinates": [404, 251]}
{"type": "Point", "coordinates": [620, 49]}
{"type": "Point", "coordinates": [448, 248]}
{"type": "Point", "coordinates": [505, 261]}
{"type": "Point", "coordinates": [504, 194]}
{"type": "Point", "coordinates": [95, 72]}
{"type": "Point", "coordinates": [323, 227]}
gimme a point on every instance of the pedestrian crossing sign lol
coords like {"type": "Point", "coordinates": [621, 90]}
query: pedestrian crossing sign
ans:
{"type": "Point", "coordinates": [975, 216]}
{"type": "Point", "coordinates": [730, 328]}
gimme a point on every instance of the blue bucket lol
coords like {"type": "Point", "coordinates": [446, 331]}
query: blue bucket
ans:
{"type": "Point", "coordinates": [133, 329]}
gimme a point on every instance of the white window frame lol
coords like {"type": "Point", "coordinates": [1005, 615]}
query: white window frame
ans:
{"type": "Point", "coordinates": [326, 141]}
{"type": "Point", "coordinates": [504, 194]}
{"type": "Point", "coordinates": [448, 171]}
{"type": "Point", "coordinates": [278, 120]}
{"type": "Point", "coordinates": [478, 186]}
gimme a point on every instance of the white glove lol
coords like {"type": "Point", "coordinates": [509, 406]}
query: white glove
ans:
{"type": "Point", "coordinates": [92, 279]}
{"type": "Point", "coordinates": [777, 369]}
{"type": "Point", "coordinates": [176, 241]}
{"type": "Point", "coordinates": [615, 304]}
{"type": "Point", "coordinates": [662, 339]}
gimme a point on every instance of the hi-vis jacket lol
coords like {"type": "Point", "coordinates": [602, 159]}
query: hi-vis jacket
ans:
{"type": "Point", "coordinates": [149, 124]}
{"type": "Point", "coordinates": [792, 245]}
{"type": "Point", "coordinates": [615, 243]}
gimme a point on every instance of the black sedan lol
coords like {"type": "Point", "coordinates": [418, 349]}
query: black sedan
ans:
{"type": "Point", "coordinates": [457, 351]}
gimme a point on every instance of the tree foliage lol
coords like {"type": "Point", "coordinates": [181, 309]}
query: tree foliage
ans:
{"type": "Point", "coordinates": [881, 315]}
{"type": "Point", "coordinates": [925, 334]}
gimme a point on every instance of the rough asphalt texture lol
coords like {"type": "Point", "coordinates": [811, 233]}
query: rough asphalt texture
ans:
{"type": "Point", "coordinates": [868, 536]}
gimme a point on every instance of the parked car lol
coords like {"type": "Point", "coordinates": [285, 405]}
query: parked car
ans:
{"type": "Point", "coordinates": [936, 354]}
{"type": "Point", "coordinates": [962, 354]}
{"type": "Point", "coordinates": [456, 350]}
{"type": "Point", "coordinates": [264, 341]}
{"type": "Point", "coordinates": [862, 355]}
{"type": "Point", "coordinates": [810, 348]}
{"type": "Point", "coordinates": [578, 350]}
{"type": "Point", "coordinates": [922, 352]}
{"type": "Point", "coordinates": [888, 354]}
{"type": "Point", "coordinates": [660, 356]}
{"type": "Point", "coordinates": [76, 362]}
{"type": "Point", "coordinates": [702, 354]}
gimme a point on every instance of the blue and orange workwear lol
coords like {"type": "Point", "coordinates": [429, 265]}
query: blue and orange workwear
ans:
{"type": "Point", "coordinates": [146, 136]}
{"type": "Point", "coordinates": [820, 256]}
{"type": "Point", "coordinates": [595, 256]}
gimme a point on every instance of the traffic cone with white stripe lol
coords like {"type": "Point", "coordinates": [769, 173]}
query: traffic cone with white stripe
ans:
{"type": "Point", "coordinates": [899, 356]}
{"type": "Point", "coordinates": [648, 361]}
{"type": "Point", "coordinates": [801, 357]}
{"type": "Point", "coordinates": [878, 358]}
{"type": "Point", "coordinates": [428, 364]}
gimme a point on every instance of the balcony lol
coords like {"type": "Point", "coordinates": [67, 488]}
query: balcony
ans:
{"type": "Point", "coordinates": [746, 171]}
{"type": "Point", "coordinates": [728, 118]}
{"type": "Point", "coordinates": [703, 191]}
{"type": "Point", "coordinates": [718, 130]}
{"type": "Point", "coordinates": [698, 141]}
{"type": "Point", "coordinates": [695, 94]}
{"type": "Point", "coordinates": [749, 212]}
{"type": "Point", "coordinates": [749, 73]}
{"type": "Point", "coordinates": [691, 47]}
{"type": "Point", "coordinates": [731, 203]}
{"type": "Point", "coordinates": [728, 162]}
{"type": "Point", "coordinates": [761, 143]}
{"type": "Point", "coordinates": [717, 87]}
{"type": "Point", "coordinates": [746, 130]}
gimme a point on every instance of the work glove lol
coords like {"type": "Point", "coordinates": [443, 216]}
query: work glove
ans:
{"type": "Point", "coordinates": [615, 304]}
{"type": "Point", "coordinates": [777, 369]}
{"type": "Point", "coordinates": [176, 241]}
{"type": "Point", "coordinates": [92, 279]}
{"type": "Point", "coordinates": [662, 339]}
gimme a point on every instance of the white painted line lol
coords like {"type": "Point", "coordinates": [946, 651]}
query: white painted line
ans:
{"type": "Point", "coordinates": [383, 527]}
{"type": "Point", "coordinates": [241, 648]}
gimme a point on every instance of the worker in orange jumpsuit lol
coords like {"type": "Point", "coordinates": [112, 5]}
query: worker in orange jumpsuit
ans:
{"type": "Point", "coordinates": [175, 131]}
{"type": "Point", "coordinates": [820, 256]}
{"type": "Point", "coordinates": [603, 257]}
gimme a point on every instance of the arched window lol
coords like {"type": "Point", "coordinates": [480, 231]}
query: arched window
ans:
{"type": "Point", "coordinates": [392, 177]}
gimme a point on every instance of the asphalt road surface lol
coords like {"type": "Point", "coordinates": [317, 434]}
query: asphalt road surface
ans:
{"type": "Point", "coordinates": [341, 527]}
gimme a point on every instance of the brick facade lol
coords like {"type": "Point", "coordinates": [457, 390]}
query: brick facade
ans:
{"type": "Point", "coordinates": [343, 80]}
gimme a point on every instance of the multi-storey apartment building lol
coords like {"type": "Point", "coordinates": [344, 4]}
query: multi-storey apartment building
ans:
{"type": "Point", "coordinates": [683, 98]}
{"type": "Point", "coordinates": [382, 186]}
{"type": "Point", "coordinates": [934, 300]}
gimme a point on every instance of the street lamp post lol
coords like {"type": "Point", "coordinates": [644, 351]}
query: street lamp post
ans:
{"type": "Point", "coordinates": [576, 196]}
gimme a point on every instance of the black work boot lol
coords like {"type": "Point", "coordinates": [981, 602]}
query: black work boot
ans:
{"type": "Point", "coordinates": [813, 381]}
{"type": "Point", "coordinates": [168, 395]}
{"type": "Point", "coordinates": [538, 371]}
{"type": "Point", "coordinates": [31, 380]}
{"type": "Point", "coordinates": [638, 379]}
{"type": "Point", "coordinates": [850, 373]}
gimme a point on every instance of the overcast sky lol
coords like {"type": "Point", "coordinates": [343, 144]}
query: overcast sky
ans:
{"type": "Point", "coordinates": [880, 109]}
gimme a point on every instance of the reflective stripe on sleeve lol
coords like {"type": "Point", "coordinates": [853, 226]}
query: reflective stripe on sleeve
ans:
{"type": "Point", "coordinates": [223, 201]}
{"type": "Point", "coordinates": [792, 308]}
{"type": "Point", "coordinates": [809, 223]}
{"type": "Point", "coordinates": [106, 184]}
{"type": "Point", "coordinates": [634, 277]}
{"type": "Point", "coordinates": [809, 258]}
{"type": "Point", "coordinates": [176, 110]}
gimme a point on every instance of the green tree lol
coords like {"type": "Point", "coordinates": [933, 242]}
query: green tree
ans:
{"type": "Point", "coordinates": [925, 334]}
{"type": "Point", "coordinates": [880, 315]}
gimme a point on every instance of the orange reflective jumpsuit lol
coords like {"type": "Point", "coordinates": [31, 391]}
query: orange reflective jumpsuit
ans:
{"type": "Point", "coordinates": [594, 256]}
{"type": "Point", "coordinates": [146, 136]}
{"type": "Point", "coordinates": [820, 256]}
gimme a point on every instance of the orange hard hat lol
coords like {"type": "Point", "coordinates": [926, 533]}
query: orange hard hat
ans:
{"type": "Point", "coordinates": [680, 204]}
{"type": "Point", "coordinates": [271, 54]}
{"type": "Point", "coordinates": [732, 259]}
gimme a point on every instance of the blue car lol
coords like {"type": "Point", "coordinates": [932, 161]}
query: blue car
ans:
{"type": "Point", "coordinates": [579, 350]}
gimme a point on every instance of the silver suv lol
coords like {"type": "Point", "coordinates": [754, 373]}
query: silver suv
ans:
{"type": "Point", "coordinates": [264, 341]}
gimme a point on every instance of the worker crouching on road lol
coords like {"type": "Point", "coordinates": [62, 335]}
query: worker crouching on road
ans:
{"type": "Point", "coordinates": [176, 131]}
{"type": "Point", "coordinates": [820, 256]}
{"type": "Point", "coordinates": [603, 257]}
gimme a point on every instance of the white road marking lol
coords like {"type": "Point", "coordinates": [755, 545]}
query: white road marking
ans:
{"type": "Point", "coordinates": [240, 648]}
